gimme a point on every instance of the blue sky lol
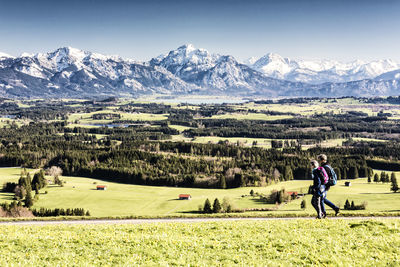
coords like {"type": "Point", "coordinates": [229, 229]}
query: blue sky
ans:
{"type": "Point", "coordinates": [140, 29]}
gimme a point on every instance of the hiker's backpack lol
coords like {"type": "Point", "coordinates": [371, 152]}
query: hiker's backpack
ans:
{"type": "Point", "coordinates": [331, 174]}
{"type": "Point", "coordinates": [323, 175]}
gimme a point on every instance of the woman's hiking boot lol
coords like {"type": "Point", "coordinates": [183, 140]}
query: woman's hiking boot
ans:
{"type": "Point", "coordinates": [337, 211]}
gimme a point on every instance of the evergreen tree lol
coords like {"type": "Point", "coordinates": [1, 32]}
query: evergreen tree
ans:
{"type": "Point", "coordinates": [392, 176]}
{"type": "Point", "coordinates": [217, 206]}
{"type": "Point", "coordinates": [395, 186]}
{"type": "Point", "coordinates": [383, 177]}
{"type": "Point", "coordinates": [251, 192]}
{"type": "Point", "coordinates": [28, 200]}
{"type": "Point", "coordinates": [370, 172]}
{"type": "Point", "coordinates": [353, 172]}
{"type": "Point", "coordinates": [28, 181]}
{"type": "Point", "coordinates": [222, 181]}
{"type": "Point", "coordinates": [239, 180]}
{"type": "Point", "coordinates": [288, 174]}
{"type": "Point", "coordinates": [352, 207]}
{"type": "Point", "coordinates": [303, 204]}
{"type": "Point", "coordinates": [338, 173]}
{"type": "Point", "coordinates": [39, 180]}
{"type": "Point", "coordinates": [376, 178]}
{"type": "Point", "coordinates": [207, 206]}
{"type": "Point", "coordinates": [344, 173]}
{"type": "Point", "coordinates": [347, 205]}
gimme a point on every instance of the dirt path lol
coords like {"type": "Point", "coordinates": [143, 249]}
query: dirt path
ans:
{"type": "Point", "coordinates": [177, 220]}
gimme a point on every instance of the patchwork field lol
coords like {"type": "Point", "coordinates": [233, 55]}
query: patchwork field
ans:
{"type": "Point", "coordinates": [243, 243]}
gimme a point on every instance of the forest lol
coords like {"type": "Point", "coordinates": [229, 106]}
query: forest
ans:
{"type": "Point", "coordinates": [125, 141]}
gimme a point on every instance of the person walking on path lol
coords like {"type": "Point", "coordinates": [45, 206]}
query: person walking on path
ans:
{"type": "Point", "coordinates": [318, 189]}
{"type": "Point", "coordinates": [323, 162]}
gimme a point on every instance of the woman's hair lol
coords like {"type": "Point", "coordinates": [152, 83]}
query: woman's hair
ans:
{"type": "Point", "coordinates": [322, 157]}
{"type": "Point", "coordinates": [314, 163]}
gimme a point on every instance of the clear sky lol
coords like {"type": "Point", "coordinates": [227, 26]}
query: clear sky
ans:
{"type": "Point", "coordinates": [142, 29]}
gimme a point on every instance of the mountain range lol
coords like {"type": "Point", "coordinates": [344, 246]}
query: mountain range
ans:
{"type": "Point", "coordinates": [70, 72]}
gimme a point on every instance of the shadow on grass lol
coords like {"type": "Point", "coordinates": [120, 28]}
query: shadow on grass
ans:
{"type": "Point", "coordinates": [289, 210]}
{"type": "Point", "coordinates": [192, 212]}
{"type": "Point", "coordinates": [259, 201]}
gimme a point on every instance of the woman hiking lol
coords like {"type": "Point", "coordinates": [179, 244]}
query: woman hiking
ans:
{"type": "Point", "coordinates": [323, 162]}
{"type": "Point", "coordinates": [318, 189]}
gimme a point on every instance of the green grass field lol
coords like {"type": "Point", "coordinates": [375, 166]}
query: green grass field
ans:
{"type": "Point", "coordinates": [11, 174]}
{"type": "Point", "coordinates": [136, 200]}
{"type": "Point", "coordinates": [251, 116]}
{"type": "Point", "coordinates": [242, 243]}
{"type": "Point", "coordinates": [86, 118]}
{"type": "Point", "coordinates": [180, 128]}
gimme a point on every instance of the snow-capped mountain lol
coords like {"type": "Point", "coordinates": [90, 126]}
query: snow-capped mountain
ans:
{"type": "Point", "coordinates": [70, 72]}
{"type": "Point", "coordinates": [213, 71]}
{"type": "Point", "coordinates": [186, 62]}
{"type": "Point", "coordinates": [321, 71]}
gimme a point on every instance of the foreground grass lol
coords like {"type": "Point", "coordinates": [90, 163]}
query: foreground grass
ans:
{"type": "Point", "coordinates": [254, 243]}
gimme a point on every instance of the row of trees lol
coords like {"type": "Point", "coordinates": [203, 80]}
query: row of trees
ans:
{"type": "Point", "coordinates": [352, 206]}
{"type": "Point", "coordinates": [383, 178]}
{"type": "Point", "coordinates": [43, 212]}
{"type": "Point", "coordinates": [217, 207]}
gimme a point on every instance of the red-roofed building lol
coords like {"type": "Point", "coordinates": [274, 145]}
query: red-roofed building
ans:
{"type": "Point", "coordinates": [101, 187]}
{"type": "Point", "coordinates": [185, 197]}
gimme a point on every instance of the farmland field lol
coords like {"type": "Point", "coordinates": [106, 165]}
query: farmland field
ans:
{"type": "Point", "coordinates": [244, 243]}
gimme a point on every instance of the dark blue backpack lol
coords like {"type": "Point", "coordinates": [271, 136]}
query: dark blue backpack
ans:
{"type": "Point", "coordinates": [331, 174]}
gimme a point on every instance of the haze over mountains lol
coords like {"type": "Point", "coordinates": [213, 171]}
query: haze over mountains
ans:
{"type": "Point", "coordinates": [70, 72]}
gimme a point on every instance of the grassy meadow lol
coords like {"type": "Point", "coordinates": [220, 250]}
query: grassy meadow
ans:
{"type": "Point", "coordinates": [137, 200]}
{"type": "Point", "coordinates": [244, 243]}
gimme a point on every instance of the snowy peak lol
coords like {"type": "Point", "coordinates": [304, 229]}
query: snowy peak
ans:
{"type": "Point", "coordinates": [185, 55]}
{"type": "Point", "coordinates": [187, 48]}
{"type": "Point", "coordinates": [270, 58]}
{"type": "Point", "coordinates": [68, 52]}
{"type": "Point", "coordinates": [63, 58]}
{"type": "Point", "coordinates": [321, 71]}
{"type": "Point", "coordinates": [186, 62]}
{"type": "Point", "coordinates": [273, 65]}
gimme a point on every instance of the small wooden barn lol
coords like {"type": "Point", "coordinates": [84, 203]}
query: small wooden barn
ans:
{"type": "Point", "coordinates": [101, 187]}
{"type": "Point", "coordinates": [185, 197]}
